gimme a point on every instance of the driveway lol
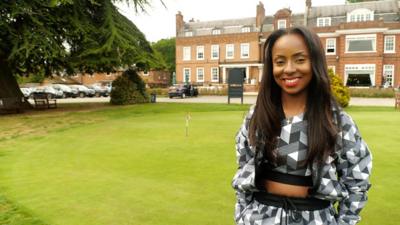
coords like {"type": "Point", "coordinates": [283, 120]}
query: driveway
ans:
{"type": "Point", "coordinates": [248, 99]}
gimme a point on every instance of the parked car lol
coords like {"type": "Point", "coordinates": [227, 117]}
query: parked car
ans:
{"type": "Point", "coordinates": [27, 92]}
{"type": "Point", "coordinates": [83, 91]}
{"type": "Point", "coordinates": [99, 90]}
{"type": "Point", "coordinates": [50, 91]}
{"type": "Point", "coordinates": [68, 92]}
{"type": "Point", "coordinates": [182, 91]}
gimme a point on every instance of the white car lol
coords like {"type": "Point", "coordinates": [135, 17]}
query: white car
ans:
{"type": "Point", "coordinates": [50, 91]}
{"type": "Point", "coordinates": [68, 92]}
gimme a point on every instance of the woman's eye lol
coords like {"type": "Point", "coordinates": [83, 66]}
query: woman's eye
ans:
{"type": "Point", "coordinates": [279, 62]}
{"type": "Point", "coordinates": [300, 60]}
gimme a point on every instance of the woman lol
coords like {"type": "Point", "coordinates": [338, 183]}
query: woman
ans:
{"type": "Point", "coordinates": [298, 152]}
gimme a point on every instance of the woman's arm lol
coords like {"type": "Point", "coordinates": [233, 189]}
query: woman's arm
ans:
{"type": "Point", "coordinates": [243, 181]}
{"type": "Point", "coordinates": [354, 168]}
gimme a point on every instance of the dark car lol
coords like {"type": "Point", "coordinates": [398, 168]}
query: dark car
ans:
{"type": "Point", "coordinates": [182, 91]}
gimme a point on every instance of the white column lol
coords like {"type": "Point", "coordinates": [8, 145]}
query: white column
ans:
{"type": "Point", "coordinates": [223, 75]}
{"type": "Point", "coordinates": [247, 74]}
{"type": "Point", "coordinates": [260, 73]}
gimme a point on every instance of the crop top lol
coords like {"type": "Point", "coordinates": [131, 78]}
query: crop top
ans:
{"type": "Point", "coordinates": [291, 168]}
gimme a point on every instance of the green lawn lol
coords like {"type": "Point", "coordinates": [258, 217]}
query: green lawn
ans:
{"type": "Point", "coordinates": [134, 165]}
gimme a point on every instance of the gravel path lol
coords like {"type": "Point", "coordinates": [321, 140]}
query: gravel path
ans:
{"type": "Point", "coordinates": [248, 99]}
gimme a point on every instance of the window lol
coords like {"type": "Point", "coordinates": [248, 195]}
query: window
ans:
{"type": "Point", "coordinates": [330, 46]}
{"type": "Point", "coordinates": [361, 43]}
{"type": "Point", "coordinates": [188, 33]}
{"type": "Point", "coordinates": [245, 29]}
{"type": "Point", "coordinates": [200, 74]}
{"type": "Point", "coordinates": [389, 44]}
{"type": "Point", "coordinates": [359, 15]}
{"type": "Point", "coordinates": [200, 52]}
{"type": "Point", "coordinates": [388, 71]}
{"type": "Point", "coordinates": [214, 74]}
{"type": "Point", "coordinates": [323, 21]}
{"type": "Point", "coordinates": [230, 50]}
{"type": "Point", "coordinates": [186, 75]}
{"type": "Point", "coordinates": [244, 50]}
{"type": "Point", "coordinates": [214, 51]}
{"type": "Point", "coordinates": [216, 32]}
{"type": "Point", "coordinates": [281, 24]}
{"type": "Point", "coordinates": [186, 53]}
{"type": "Point", "coordinates": [333, 68]}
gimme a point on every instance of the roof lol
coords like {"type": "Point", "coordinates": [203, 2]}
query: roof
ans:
{"type": "Point", "coordinates": [386, 6]}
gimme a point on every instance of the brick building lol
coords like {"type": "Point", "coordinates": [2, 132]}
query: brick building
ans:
{"type": "Point", "coordinates": [361, 41]}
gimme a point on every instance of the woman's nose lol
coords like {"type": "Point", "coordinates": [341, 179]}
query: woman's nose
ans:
{"type": "Point", "coordinates": [289, 68]}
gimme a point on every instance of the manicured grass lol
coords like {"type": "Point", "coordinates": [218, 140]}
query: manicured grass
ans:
{"type": "Point", "coordinates": [134, 165]}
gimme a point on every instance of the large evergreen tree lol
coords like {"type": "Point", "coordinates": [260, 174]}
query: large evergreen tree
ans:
{"type": "Point", "coordinates": [67, 36]}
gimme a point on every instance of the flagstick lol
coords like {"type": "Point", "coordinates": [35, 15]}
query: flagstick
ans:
{"type": "Point", "coordinates": [187, 124]}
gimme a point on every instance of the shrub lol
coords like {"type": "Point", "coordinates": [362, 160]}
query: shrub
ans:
{"type": "Point", "coordinates": [372, 92]}
{"type": "Point", "coordinates": [128, 88]}
{"type": "Point", "coordinates": [340, 91]}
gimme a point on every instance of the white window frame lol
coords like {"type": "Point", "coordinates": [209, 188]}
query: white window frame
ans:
{"type": "Point", "coordinates": [327, 45]}
{"type": "Point", "coordinates": [184, 77]}
{"type": "Point", "coordinates": [197, 74]}
{"type": "Point", "coordinates": [279, 25]}
{"type": "Point", "coordinates": [188, 33]}
{"type": "Point", "coordinates": [359, 15]}
{"type": "Point", "coordinates": [243, 48]}
{"type": "Point", "coordinates": [216, 31]}
{"type": "Point", "coordinates": [212, 74]}
{"type": "Point", "coordinates": [389, 68]}
{"type": "Point", "coordinates": [333, 69]}
{"type": "Point", "coordinates": [200, 50]}
{"type": "Point", "coordinates": [228, 48]}
{"type": "Point", "coordinates": [246, 29]}
{"type": "Point", "coordinates": [214, 49]}
{"type": "Point", "coordinates": [324, 21]}
{"type": "Point", "coordinates": [186, 56]}
{"type": "Point", "coordinates": [393, 44]}
{"type": "Point", "coordinates": [371, 37]}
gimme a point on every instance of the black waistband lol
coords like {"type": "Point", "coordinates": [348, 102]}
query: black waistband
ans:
{"type": "Point", "coordinates": [291, 206]}
{"type": "Point", "coordinates": [291, 203]}
{"type": "Point", "coordinates": [288, 178]}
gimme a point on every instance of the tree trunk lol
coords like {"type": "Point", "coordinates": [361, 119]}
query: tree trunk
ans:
{"type": "Point", "coordinates": [9, 87]}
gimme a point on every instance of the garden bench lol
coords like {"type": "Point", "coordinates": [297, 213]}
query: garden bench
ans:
{"type": "Point", "coordinates": [397, 100]}
{"type": "Point", "coordinates": [10, 105]}
{"type": "Point", "coordinates": [42, 101]}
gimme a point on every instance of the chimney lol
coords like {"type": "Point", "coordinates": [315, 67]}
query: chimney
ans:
{"type": "Point", "coordinates": [179, 23]}
{"type": "Point", "coordinates": [307, 12]}
{"type": "Point", "coordinates": [260, 14]}
{"type": "Point", "coordinates": [308, 4]}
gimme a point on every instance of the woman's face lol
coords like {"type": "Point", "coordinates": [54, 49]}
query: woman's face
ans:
{"type": "Point", "coordinates": [291, 65]}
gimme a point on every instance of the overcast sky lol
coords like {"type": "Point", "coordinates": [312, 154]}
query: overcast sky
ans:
{"type": "Point", "coordinates": [159, 22]}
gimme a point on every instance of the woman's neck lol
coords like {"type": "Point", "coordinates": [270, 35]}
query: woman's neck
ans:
{"type": "Point", "coordinates": [293, 104]}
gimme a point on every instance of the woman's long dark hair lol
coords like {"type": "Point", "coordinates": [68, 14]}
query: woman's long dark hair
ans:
{"type": "Point", "coordinates": [265, 125]}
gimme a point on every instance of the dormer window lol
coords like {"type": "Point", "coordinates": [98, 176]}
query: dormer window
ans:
{"type": "Point", "coordinates": [216, 31]}
{"type": "Point", "coordinates": [188, 33]}
{"type": "Point", "coordinates": [323, 21]}
{"type": "Point", "coordinates": [245, 29]}
{"type": "Point", "coordinates": [359, 15]}
{"type": "Point", "coordinates": [281, 24]}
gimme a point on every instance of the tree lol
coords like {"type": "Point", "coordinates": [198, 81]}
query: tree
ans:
{"type": "Point", "coordinates": [166, 50]}
{"type": "Point", "coordinates": [67, 36]}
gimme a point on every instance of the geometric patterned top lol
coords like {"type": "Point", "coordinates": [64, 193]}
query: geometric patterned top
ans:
{"type": "Point", "coordinates": [292, 147]}
{"type": "Point", "coordinates": [343, 177]}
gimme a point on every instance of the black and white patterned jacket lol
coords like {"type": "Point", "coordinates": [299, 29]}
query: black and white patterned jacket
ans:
{"type": "Point", "coordinates": [344, 177]}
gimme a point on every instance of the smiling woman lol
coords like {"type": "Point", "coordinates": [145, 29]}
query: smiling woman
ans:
{"type": "Point", "coordinates": [298, 152]}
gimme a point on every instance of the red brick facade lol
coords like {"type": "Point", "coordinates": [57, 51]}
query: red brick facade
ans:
{"type": "Point", "coordinates": [344, 34]}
